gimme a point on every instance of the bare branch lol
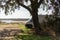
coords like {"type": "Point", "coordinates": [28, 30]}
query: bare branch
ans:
{"type": "Point", "coordinates": [25, 7]}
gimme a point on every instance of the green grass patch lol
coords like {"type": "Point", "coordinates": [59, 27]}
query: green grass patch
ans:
{"type": "Point", "coordinates": [22, 27]}
{"type": "Point", "coordinates": [29, 36]}
{"type": "Point", "coordinates": [32, 37]}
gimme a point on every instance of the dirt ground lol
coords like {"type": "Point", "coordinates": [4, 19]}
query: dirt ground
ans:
{"type": "Point", "coordinates": [8, 26]}
{"type": "Point", "coordinates": [7, 31]}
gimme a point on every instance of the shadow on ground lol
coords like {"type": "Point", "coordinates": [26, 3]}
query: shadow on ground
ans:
{"type": "Point", "coordinates": [6, 33]}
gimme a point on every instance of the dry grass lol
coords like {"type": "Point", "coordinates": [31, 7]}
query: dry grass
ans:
{"type": "Point", "coordinates": [8, 26]}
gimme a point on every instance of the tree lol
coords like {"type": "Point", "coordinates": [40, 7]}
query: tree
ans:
{"type": "Point", "coordinates": [56, 13]}
{"type": "Point", "coordinates": [10, 5]}
{"type": "Point", "coordinates": [32, 8]}
{"type": "Point", "coordinates": [53, 20]}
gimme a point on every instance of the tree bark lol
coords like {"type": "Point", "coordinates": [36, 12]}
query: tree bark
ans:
{"type": "Point", "coordinates": [36, 24]}
{"type": "Point", "coordinates": [36, 21]}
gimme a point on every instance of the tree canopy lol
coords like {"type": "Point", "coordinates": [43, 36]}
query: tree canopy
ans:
{"type": "Point", "coordinates": [10, 5]}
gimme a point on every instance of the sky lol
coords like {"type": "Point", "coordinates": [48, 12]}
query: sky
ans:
{"type": "Point", "coordinates": [22, 13]}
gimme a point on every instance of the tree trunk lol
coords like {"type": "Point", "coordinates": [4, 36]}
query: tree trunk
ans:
{"type": "Point", "coordinates": [36, 21]}
{"type": "Point", "coordinates": [34, 13]}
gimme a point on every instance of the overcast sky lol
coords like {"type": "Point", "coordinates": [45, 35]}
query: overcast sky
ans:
{"type": "Point", "coordinates": [22, 13]}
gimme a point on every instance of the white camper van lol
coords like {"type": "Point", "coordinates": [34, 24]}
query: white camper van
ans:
{"type": "Point", "coordinates": [29, 23]}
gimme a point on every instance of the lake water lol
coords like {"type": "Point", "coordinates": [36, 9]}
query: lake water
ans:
{"type": "Point", "coordinates": [7, 21]}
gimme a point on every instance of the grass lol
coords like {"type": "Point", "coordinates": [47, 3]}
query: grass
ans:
{"type": "Point", "coordinates": [22, 27]}
{"type": "Point", "coordinates": [29, 36]}
{"type": "Point", "coordinates": [32, 37]}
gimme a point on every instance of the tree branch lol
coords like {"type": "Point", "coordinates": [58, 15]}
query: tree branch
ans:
{"type": "Point", "coordinates": [25, 7]}
{"type": "Point", "coordinates": [41, 1]}
{"type": "Point", "coordinates": [31, 1]}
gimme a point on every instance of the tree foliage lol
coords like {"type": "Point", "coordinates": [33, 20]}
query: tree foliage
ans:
{"type": "Point", "coordinates": [11, 5]}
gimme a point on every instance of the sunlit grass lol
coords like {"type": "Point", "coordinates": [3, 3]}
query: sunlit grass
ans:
{"type": "Point", "coordinates": [29, 36]}
{"type": "Point", "coordinates": [26, 35]}
{"type": "Point", "coordinates": [22, 27]}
